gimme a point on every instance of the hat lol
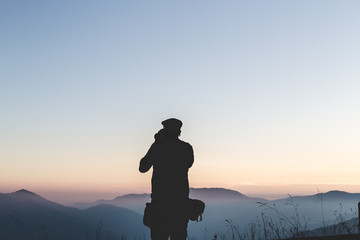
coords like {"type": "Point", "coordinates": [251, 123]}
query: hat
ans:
{"type": "Point", "coordinates": [172, 123]}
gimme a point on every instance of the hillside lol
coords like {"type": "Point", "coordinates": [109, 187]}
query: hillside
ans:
{"type": "Point", "coordinates": [26, 215]}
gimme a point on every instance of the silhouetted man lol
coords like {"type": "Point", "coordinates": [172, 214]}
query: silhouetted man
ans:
{"type": "Point", "coordinates": [171, 159]}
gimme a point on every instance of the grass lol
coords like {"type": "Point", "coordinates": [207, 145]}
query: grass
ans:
{"type": "Point", "coordinates": [283, 226]}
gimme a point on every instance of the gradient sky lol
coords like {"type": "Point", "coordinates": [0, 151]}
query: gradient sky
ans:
{"type": "Point", "coordinates": [268, 91]}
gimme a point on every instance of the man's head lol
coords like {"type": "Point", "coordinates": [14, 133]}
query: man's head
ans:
{"type": "Point", "coordinates": [172, 125]}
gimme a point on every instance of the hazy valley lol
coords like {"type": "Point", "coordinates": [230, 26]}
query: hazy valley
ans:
{"type": "Point", "coordinates": [26, 215]}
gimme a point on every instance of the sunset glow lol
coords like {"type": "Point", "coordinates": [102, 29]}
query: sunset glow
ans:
{"type": "Point", "coordinates": [268, 93]}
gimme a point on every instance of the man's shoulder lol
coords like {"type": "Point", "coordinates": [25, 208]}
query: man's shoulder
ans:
{"type": "Point", "coordinates": [185, 144]}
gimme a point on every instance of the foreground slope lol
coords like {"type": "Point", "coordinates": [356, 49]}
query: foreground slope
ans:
{"type": "Point", "coordinates": [26, 215]}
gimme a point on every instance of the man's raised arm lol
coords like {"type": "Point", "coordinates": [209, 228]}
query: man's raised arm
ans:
{"type": "Point", "coordinates": [190, 157]}
{"type": "Point", "coordinates": [147, 161]}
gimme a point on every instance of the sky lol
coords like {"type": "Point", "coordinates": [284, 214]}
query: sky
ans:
{"type": "Point", "coordinates": [268, 92]}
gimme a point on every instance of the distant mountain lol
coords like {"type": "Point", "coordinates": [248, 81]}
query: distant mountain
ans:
{"type": "Point", "coordinates": [334, 196]}
{"type": "Point", "coordinates": [220, 195]}
{"type": "Point", "coordinates": [137, 202]}
{"type": "Point", "coordinates": [26, 215]}
{"type": "Point", "coordinates": [25, 196]}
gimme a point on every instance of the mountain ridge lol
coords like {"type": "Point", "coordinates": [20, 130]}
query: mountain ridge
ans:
{"type": "Point", "coordinates": [26, 215]}
{"type": "Point", "coordinates": [24, 193]}
{"type": "Point", "coordinates": [330, 195]}
{"type": "Point", "coordinates": [206, 194]}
